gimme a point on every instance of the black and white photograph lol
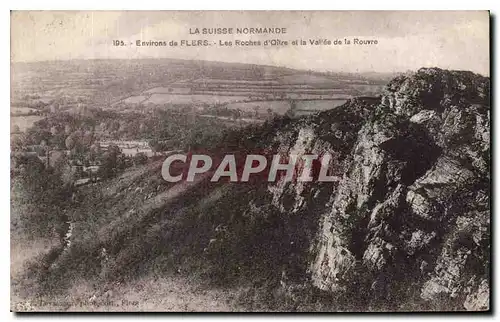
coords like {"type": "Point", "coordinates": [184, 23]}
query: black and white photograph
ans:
{"type": "Point", "coordinates": [250, 161]}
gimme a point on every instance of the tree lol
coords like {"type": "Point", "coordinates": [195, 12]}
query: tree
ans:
{"type": "Point", "coordinates": [114, 150]}
{"type": "Point", "coordinates": [54, 130]}
{"type": "Point", "coordinates": [154, 145]}
{"type": "Point", "coordinates": [17, 142]}
{"type": "Point", "coordinates": [112, 161]}
{"type": "Point", "coordinates": [94, 151]}
{"type": "Point", "coordinates": [88, 138]}
{"type": "Point", "coordinates": [38, 198]}
{"type": "Point", "coordinates": [35, 135]}
{"type": "Point", "coordinates": [140, 158]}
{"type": "Point", "coordinates": [142, 128]}
{"type": "Point", "coordinates": [67, 129]}
{"type": "Point", "coordinates": [70, 142]}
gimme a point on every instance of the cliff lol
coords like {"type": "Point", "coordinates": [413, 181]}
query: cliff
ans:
{"type": "Point", "coordinates": [408, 224]}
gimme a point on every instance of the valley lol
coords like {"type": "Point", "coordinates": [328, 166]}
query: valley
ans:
{"type": "Point", "coordinates": [405, 225]}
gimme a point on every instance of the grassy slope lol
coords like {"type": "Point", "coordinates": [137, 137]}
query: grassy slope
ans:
{"type": "Point", "coordinates": [137, 229]}
{"type": "Point", "coordinates": [137, 233]}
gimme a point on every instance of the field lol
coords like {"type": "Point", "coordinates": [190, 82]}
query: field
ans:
{"type": "Point", "coordinates": [22, 110]}
{"type": "Point", "coordinates": [262, 107]}
{"type": "Point", "coordinates": [257, 92]}
{"type": "Point", "coordinates": [175, 99]}
{"type": "Point", "coordinates": [135, 99]}
{"type": "Point", "coordinates": [318, 105]}
{"type": "Point", "coordinates": [295, 86]}
{"type": "Point", "coordinates": [296, 94]}
{"type": "Point", "coordinates": [168, 90]}
{"type": "Point", "coordinates": [24, 122]}
{"type": "Point", "coordinates": [226, 91]}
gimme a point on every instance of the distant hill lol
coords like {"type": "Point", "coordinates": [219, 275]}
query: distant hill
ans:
{"type": "Point", "coordinates": [102, 83]}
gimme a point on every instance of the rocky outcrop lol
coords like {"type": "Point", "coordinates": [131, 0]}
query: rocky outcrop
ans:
{"type": "Point", "coordinates": [407, 224]}
{"type": "Point", "coordinates": [410, 217]}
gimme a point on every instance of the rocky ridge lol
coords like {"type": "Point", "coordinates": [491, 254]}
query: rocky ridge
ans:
{"type": "Point", "coordinates": [408, 224]}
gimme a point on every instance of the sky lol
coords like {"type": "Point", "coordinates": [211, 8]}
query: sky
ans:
{"type": "Point", "coordinates": [406, 40]}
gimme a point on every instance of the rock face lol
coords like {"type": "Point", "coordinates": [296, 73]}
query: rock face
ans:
{"type": "Point", "coordinates": [407, 224]}
{"type": "Point", "coordinates": [409, 221]}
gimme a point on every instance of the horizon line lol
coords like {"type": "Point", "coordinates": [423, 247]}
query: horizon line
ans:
{"type": "Point", "coordinates": [250, 64]}
{"type": "Point", "coordinates": [211, 61]}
